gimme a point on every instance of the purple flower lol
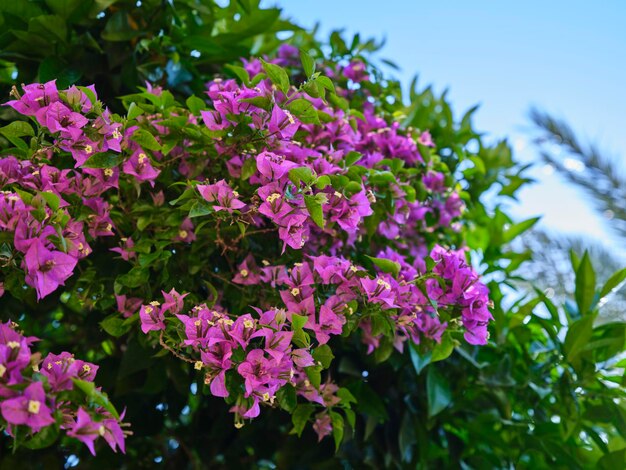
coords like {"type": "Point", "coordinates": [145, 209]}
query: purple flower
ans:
{"type": "Point", "coordinates": [28, 409]}
{"type": "Point", "coordinates": [86, 430]}
{"type": "Point", "coordinates": [140, 166]}
{"type": "Point", "coordinates": [151, 317]}
{"type": "Point", "coordinates": [222, 194]}
{"type": "Point", "coordinates": [46, 269]}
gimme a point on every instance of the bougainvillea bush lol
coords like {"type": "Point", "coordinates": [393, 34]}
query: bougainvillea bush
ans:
{"type": "Point", "coordinates": [292, 217]}
{"type": "Point", "coordinates": [258, 247]}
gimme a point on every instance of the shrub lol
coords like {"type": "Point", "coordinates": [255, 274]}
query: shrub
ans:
{"type": "Point", "coordinates": [292, 239]}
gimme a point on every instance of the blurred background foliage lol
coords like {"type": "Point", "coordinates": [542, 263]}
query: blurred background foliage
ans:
{"type": "Point", "coordinates": [548, 390]}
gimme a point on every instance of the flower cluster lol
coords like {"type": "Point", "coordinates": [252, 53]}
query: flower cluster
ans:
{"type": "Point", "coordinates": [300, 171]}
{"type": "Point", "coordinates": [318, 298]}
{"type": "Point", "coordinates": [330, 219]}
{"type": "Point", "coordinates": [56, 393]}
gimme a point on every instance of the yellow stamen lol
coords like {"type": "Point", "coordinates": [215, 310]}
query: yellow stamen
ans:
{"type": "Point", "coordinates": [198, 365]}
{"type": "Point", "coordinates": [33, 406]}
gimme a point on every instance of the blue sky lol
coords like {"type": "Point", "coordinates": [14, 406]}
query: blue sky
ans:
{"type": "Point", "coordinates": [567, 57]}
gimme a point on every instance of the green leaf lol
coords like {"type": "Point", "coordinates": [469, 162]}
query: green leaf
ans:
{"type": "Point", "coordinates": [200, 208]}
{"type": "Point", "coordinates": [287, 399]}
{"type": "Point", "coordinates": [325, 82]}
{"type": "Point", "coordinates": [300, 417]}
{"type": "Point", "coordinates": [314, 374]}
{"type": "Point", "coordinates": [304, 110]}
{"type": "Point", "coordinates": [324, 355]}
{"type": "Point", "coordinates": [614, 283]}
{"type": "Point", "coordinates": [314, 207]}
{"type": "Point", "coordinates": [195, 104]}
{"type": "Point", "coordinates": [44, 438]}
{"type": "Point", "coordinates": [346, 397]}
{"type": "Point", "coordinates": [134, 111]}
{"type": "Point", "coordinates": [146, 140]}
{"type": "Point", "coordinates": [438, 392]}
{"type": "Point", "coordinates": [115, 326]}
{"type": "Point", "coordinates": [277, 75]}
{"type": "Point", "coordinates": [248, 169]}
{"type": "Point", "coordinates": [443, 349]}
{"type": "Point", "coordinates": [585, 285]}
{"type": "Point", "coordinates": [303, 174]}
{"type": "Point", "coordinates": [308, 64]}
{"type": "Point", "coordinates": [103, 160]}
{"type": "Point", "coordinates": [419, 360]}
{"type": "Point", "coordinates": [352, 157]}
{"type": "Point", "coordinates": [51, 199]}
{"type": "Point", "coordinates": [322, 182]}
{"type": "Point", "coordinates": [17, 129]}
{"type": "Point", "coordinates": [95, 396]}
{"type": "Point", "coordinates": [517, 229]}
{"type": "Point", "coordinates": [298, 321]}
{"type": "Point", "coordinates": [386, 265]}
{"type": "Point", "coordinates": [578, 335]}
{"type": "Point", "coordinates": [240, 72]}
{"type": "Point", "coordinates": [338, 428]}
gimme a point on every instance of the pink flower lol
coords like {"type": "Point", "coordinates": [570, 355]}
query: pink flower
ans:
{"type": "Point", "coordinates": [46, 269]}
{"type": "Point", "coordinates": [151, 317]}
{"type": "Point", "coordinates": [140, 166]}
{"type": "Point", "coordinates": [322, 425]}
{"type": "Point", "coordinates": [61, 369]}
{"type": "Point", "coordinates": [29, 409]}
{"type": "Point", "coordinates": [86, 430]}
{"type": "Point", "coordinates": [222, 194]}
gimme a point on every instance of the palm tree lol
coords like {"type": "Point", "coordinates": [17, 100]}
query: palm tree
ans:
{"type": "Point", "coordinates": [605, 184]}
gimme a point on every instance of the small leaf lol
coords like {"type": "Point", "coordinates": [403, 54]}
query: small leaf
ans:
{"type": "Point", "coordinates": [314, 207]}
{"type": "Point", "coordinates": [248, 169]}
{"type": "Point", "coordinates": [115, 326]}
{"type": "Point", "coordinates": [51, 199]}
{"type": "Point", "coordinates": [419, 360]}
{"type": "Point", "coordinates": [338, 428]}
{"type": "Point", "coordinates": [578, 335]}
{"type": "Point", "coordinates": [298, 321]}
{"type": "Point", "coordinates": [195, 104]}
{"type": "Point", "coordinates": [443, 349]}
{"type": "Point", "coordinates": [517, 229]}
{"type": "Point", "coordinates": [386, 265]}
{"type": "Point", "coordinates": [200, 208]}
{"type": "Point", "coordinates": [134, 111]}
{"type": "Point", "coordinates": [324, 355]}
{"type": "Point", "coordinates": [304, 110]}
{"type": "Point", "coordinates": [146, 140]}
{"type": "Point", "coordinates": [585, 284]}
{"type": "Point", "coordinates": [614, 283]}
{"type": "Point", "coordinates": [103, 160]}
{"type": "Point", "coordinates": [277, 75]}
{"type": "Point", "coordinates": [303, 174]}
{"type": "Point", "coordinates": [308, 64]}
{"type": "Point", "coordinates": [437, 391]}
{"type": "Point", "coordinates": [240, 72]}
{"type": "Point", "coordinates": [96, 396]}
{"type": "Point", "coordinates": [300, 417]}
{"type": "Point", "coordinates": [17, 129]}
